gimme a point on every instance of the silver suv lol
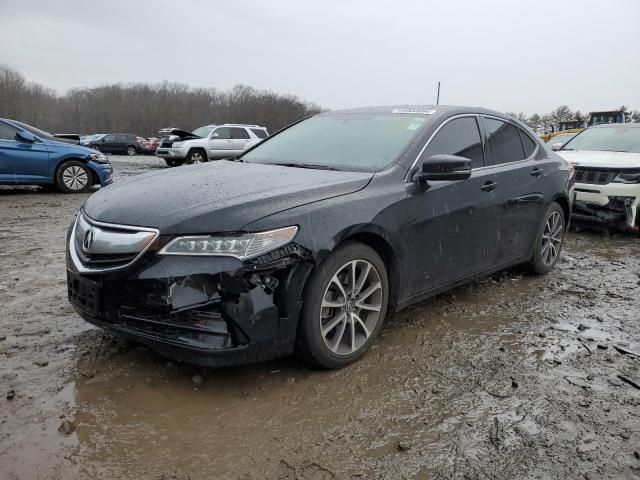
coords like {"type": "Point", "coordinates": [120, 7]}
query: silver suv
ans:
{"type": "Point", "coordinates": [211, 142]}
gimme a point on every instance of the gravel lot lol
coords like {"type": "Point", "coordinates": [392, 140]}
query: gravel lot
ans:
{"type": "Point", "coordinates": [511, 377]}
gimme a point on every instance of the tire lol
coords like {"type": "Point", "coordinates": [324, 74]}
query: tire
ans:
{"type": "Point", "coordinates": [196, 156]}
{"type": "Point", "coordinates": [131, 151]}
{"type": "Point", "coordinates": [172, 162]}
{"type": "Point", "coordinates": [549, 241]}
{"type": "Point", "coordinates": [326, 333]}
{"type": "Point", "coordinates": [74, 176]}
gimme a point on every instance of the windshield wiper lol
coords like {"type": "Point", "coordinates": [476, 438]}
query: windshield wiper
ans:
{"type": "Point", "coordinates": [314, 166]}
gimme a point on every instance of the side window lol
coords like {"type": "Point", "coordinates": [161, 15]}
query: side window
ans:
{"type": "Point", "coordinates": [7, 132]}
{"type": "Point", "coordinates": [221, 133]}
{"type": "Point", "coordinates": [459, 137]}
{"type": "Point", "coordinates": [239, 133]}
{"type": "Point", "coordinates": [110, 138]}
{"type": "Point", "coordinates": [527, 143]}
{"type": "Point", "coordinates": [259, 132]}
{"type": "Point", "coordinates": [504, 141]}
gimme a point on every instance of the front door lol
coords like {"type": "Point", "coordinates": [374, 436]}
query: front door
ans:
{"type": "Point", "coordinates": [454, 224]}
{"type": "Point", "coordinates": [220, 144]}
{"type": "Point", "coordinates": [22, 162]}
{"type": "Point", "coordinates": [108, 143]}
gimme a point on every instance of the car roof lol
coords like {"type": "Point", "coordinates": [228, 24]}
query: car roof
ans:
{"type": "Point", "coordinates": [426, 110]}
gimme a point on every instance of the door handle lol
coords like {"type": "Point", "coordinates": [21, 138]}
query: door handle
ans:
{"type": "Point", "coordinates": [536, 172]}
{"type": "Point", "coordinates": [488, 186]}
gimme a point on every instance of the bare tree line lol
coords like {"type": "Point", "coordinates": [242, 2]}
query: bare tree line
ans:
{"type": "Point", "coordinates": [142, 108]}
{"type": "Point", "coordinates": [550, 121]}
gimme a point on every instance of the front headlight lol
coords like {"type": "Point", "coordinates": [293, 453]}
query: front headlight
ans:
{"type": "Point", "coordinates": [632, 176]}
{"type": "Point", "coordinates": [241, 246]}
{"type": "Point", "coordinates": [99, 158]}
{"type": "Point", "coordinates": [177, 144]}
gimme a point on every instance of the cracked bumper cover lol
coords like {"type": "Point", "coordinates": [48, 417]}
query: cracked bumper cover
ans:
{"type": "Point", "coordinates": [213, 311]}
{"type": "Point", "coordinates": [616, 205]}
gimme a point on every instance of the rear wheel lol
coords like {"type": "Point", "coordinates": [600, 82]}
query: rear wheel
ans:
{"type": "Point", "coordinates": [549, 240]}
{"type": "Point", "coordinates": [131, 150]}
{"type": "Point", "coordinates": [196, 156]}
{"type": "Point", "coordinates": [344, 306]}
{"type": "Point", "coordinates": [74, 177]}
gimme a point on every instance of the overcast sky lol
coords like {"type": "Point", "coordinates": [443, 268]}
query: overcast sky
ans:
{"type": "Point", "coordinates": [522, 55]}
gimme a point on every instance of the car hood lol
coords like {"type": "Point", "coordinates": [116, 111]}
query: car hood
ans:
{"type": "Point", "coordinates": [589, 158]}
{"type": "Point", "coordinates": [221, 196]}
{"type": "Point", "coordinates": [176, 132]}
{"type": "Point", "coordinates": [78, 149]}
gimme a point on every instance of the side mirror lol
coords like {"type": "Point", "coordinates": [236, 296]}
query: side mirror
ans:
{"type": "Point", "coordinates": [444, 167]}
{"type": "Point", "coordinates": [215, 135]}
{"type": "Point", "coordinates": [26, 137]}
{"type": "Point", "coordinates": [556, 146]}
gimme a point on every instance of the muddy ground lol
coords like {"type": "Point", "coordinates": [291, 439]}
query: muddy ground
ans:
{"type": "Point", "coordinates": [510, 377]}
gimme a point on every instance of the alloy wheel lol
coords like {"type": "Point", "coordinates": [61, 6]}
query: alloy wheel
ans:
{"type": "Point", "coordinates": [131, 151]}
{"type": "Point", "coordinates": [75, 178]}
{"type": "Point", "coordinates": [196, 157]}
{"type": "Point", "coordinates": [350, 309]}
{"type": "Point", "coordinates": [552, 238]}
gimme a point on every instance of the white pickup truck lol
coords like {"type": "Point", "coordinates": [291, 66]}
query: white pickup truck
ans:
{"type": "Point", "coordinates": [211, 142]}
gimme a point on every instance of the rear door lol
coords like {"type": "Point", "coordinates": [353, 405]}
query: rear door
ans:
{"type": "Point", "coordinates": [21, 162]}
{"type": "Point", "coordinates": [454, 231]}
{"type": "Point", "coordinates": [220, 144]}
{"type": "Point", "coordinates": [511, 153]}
{"type": "Point", "coordinates": [240, 139]}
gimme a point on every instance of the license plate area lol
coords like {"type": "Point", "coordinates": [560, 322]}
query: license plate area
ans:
{"type": "Point", "coordinates": [84, 294]}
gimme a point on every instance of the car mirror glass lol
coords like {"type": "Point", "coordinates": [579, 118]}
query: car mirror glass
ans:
{"type": "Point", "coordinates": [556, 146]}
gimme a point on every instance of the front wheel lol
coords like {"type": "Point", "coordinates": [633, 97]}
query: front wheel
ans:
{"type": "Point", "coordinates": [131, 150]}
{"type": "Point", "coordinates": [73, 177]}
{"type": "Point", "coordinates": [196, 156]}
{"type": "Point", "coordinates": [172, 162]}
{"type": "Point", "coordinates": [344, 306]}
{"type": "Point", "coordinates": [549, 240]}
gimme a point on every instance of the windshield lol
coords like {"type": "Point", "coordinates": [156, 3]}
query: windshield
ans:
{"type": "Point", "coordinates": [361, 142]}
{"type": "Point", "coordinates": [609, 139]}
{"type": "Point", "coordinates": [203, 131]}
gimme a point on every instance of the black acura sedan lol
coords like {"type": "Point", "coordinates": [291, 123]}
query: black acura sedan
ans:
{"type": "Point", "coordinates": [309, 240]}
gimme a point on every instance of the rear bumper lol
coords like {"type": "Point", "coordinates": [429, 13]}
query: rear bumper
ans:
{"type": "Point", "coordinates": [613, 204]}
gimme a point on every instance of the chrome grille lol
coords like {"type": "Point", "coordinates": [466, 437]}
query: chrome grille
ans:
{"type": "Point", "coordinates": [97, 246]}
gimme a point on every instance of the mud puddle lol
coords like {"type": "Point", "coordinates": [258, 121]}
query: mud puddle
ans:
{"type": "Point", "coordinates": [510, 377]}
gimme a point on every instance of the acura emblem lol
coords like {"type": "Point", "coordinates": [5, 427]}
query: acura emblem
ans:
{"type": "Point", "coordinates": [89, 237]}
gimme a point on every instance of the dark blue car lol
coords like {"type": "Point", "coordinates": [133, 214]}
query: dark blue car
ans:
{"type": "Point", "coordinates": [29, 156]}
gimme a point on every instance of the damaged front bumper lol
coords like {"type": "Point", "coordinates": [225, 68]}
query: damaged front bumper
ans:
{"type": "Point", "coordinates": [209, 311]}
{"type": "Point", "coordinates": [611, 205]}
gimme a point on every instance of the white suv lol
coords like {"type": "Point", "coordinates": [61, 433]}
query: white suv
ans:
{"type": "Point", "coordinates": [211, 142]}
{"type": "Point", "coordinates": [607, 162]}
